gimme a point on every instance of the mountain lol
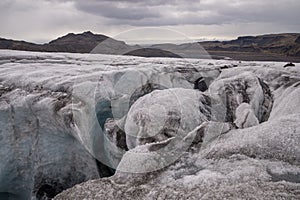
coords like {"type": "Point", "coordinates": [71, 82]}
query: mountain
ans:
{"type": "Point", "coordinates": [273, 47]}
{"type": "Point", "coordinates": [187, 50]}
{"type": "Point", "coordinates": [153, 52]}
{"type": "Point", "coordinates": [288, 44]}
{"type": "Point", "coordinates": [76, 43]}
{"type": "Point", "coordinates": [71, 43]}
{"type": "Point", "coordinates": [264, 47]}
{"type": "Point", "coordinates": [19, 45]}
{"type": "Point", "coordinates": [86, 42]}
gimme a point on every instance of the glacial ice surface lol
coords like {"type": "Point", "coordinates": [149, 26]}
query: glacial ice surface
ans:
{"type": "Point", "coordinates": [57, 109]}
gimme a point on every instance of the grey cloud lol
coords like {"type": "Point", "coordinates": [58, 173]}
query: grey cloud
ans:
{"type": "Point", "coordinates": [116, 10]}
{"type": "Point", "coordinates": [178, 12]}
{"type": "Point", "coordinates": [276, 12]}
{"type": "Point", "coordinates": [31, 19]}
{"type": "Point", "coordinates": [184, 12]}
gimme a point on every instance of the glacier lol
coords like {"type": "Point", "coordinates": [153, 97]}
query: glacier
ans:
{"type": "Point", "coordinates": [156, 128]}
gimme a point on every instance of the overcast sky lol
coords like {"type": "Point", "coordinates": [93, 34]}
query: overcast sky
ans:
{"type": "Point", "coordinates": [44, 20]}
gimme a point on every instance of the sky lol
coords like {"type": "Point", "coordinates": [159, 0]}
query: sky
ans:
{"type": "Point", "coordinates": [147, 21]}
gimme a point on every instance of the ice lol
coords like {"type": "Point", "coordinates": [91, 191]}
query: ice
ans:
{"type": "Point", "coordinates": [61, 112]}
{"type": "Point", "coordinates": [245, 116]}
{"type": "Point", "coordinates": [163, 114]}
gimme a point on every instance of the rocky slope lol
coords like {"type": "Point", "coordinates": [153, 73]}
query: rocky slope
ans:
{"type": "Point", "coordinates": [172, 128]}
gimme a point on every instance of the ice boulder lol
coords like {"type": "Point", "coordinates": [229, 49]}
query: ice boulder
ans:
{"type": "Point", "coordinates": [245, 116]}
{"type": "Point", "coordinates": [234, 90]}
{"type": "Point", "coordinates": [164, 114]}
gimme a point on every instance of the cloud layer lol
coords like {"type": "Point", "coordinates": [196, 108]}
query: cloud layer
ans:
{"type": "Point", "coordinates": [179, 12]}
{"type": "Point", "coordinates": [25, 17]}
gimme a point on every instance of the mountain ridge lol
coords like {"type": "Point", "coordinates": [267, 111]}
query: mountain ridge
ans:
{"type": "Point", "coordinates": [284, 43]}
{"type": "Point", "coordinates": [268, 47]}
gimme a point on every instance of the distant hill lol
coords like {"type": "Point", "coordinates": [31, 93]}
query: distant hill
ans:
{"type": "Point", "coordinates": [284, 47]}
{"type": "Point", "coordinates": [152, 52]}
{"type": "Point", "coordinates": [72, 43]}
{"type": "Point", "coordinates": [76, 43]}
{"type": "Point", "coordinates": [86, 42]}
{"type": "Point", "coordinates": [19, 45]}
{"type": "Point", "coordinates": [273, 47]}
